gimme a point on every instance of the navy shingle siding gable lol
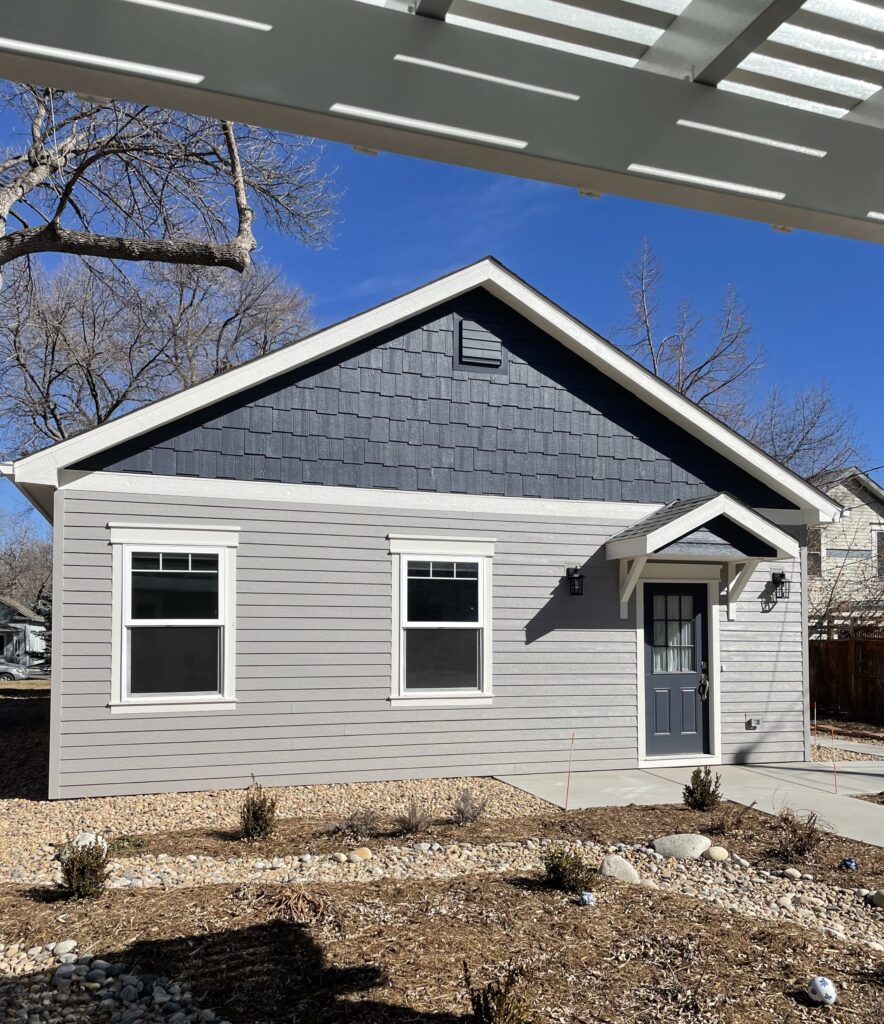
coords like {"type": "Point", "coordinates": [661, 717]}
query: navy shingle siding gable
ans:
{"type": "Point", "coordinates": [398, 411]}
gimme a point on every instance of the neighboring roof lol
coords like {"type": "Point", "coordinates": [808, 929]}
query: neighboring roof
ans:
{"type": "Point", "coordinates": [828, 481]}
{"type": "Point", "coordinates": [682, 518]}
{"type": "Point", "coordinates": [22, 610]}
{"type": "Point", "coordinates": [42, 469]}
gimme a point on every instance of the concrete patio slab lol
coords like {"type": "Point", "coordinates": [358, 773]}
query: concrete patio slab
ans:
{"type": "Point", "coordinates": [802, 786]}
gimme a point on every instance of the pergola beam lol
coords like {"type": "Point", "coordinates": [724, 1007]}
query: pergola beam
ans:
{"type": "Point", "coordinates": [711, 37]}
{"type": "Point", "coordinates": [433, 8]}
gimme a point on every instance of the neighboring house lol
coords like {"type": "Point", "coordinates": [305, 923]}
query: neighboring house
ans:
{"type": "Point", "coordinates": [21, 633]}
{"type": "Point", "coordinates": [846, 560]}
{"type": "Point", "coordinates": [439, 538]}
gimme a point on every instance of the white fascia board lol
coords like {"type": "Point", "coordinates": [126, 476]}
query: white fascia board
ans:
{"type": "Point", "coordinates": [660, 396]}
{"type": "Point", "coordinates": [43, 467]}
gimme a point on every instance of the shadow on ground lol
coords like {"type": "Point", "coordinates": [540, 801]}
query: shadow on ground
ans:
{"type": "Point", "coordinates": [24, 740]}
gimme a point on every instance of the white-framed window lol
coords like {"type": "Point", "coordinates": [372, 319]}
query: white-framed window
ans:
{"type": "Point", "coordinates": [442, 642]}
{"type": "Point", "coordinates": [174, 617]}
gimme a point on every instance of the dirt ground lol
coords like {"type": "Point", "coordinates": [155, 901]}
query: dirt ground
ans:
{"type": "Point", "coordinates": [848, 729]}
{"type": "Point", "coordinates": [394, 952]}
{"type": "Point", "coordinates": [754, 838]}
{"type": "Point", "coordinates": [24, 728]}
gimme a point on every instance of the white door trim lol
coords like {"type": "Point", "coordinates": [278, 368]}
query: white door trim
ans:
{"type": "Point", "coordinates": [713, 612]}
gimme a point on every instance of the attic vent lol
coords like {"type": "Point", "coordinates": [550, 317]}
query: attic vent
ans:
{"type": "Point", "coordinates": [478, 346]}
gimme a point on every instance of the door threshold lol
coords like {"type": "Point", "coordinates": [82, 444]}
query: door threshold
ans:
{"type": "Point", "coordinates": [688, 761]}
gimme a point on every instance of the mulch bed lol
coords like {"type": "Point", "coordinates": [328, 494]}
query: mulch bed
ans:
{"type": "Point", "coordinates": [393, 953]}
{"type": "Point", "coordinates": [754, 838]}
{"type": "Point", "coordinates": [849, 729]}
{"type": "Point", "coordinates": [873, 798]}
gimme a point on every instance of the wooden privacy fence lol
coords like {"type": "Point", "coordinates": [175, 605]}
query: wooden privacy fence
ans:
{"type": "Point", "coordinates": [847, 676]}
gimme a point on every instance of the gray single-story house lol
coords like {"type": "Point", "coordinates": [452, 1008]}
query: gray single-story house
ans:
{"type": "Point", "coordinates": [439, 538]}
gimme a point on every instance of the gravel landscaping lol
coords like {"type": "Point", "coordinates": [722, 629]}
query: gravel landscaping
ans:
{"type": "Point", "coordinates": [822, 753]}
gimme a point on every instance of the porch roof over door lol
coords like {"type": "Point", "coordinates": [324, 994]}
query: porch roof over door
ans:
{"type": "Point", "coordinates": [715, 529]}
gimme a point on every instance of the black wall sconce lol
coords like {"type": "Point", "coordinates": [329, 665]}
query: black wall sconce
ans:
{"type": "Point", "coordinates": [781, 586]}
{"type": "Point", "coordinates": [575, 581]}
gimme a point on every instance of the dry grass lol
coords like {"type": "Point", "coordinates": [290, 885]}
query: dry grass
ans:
{"type": "Point", "coordinates": [393, 953]}
{"type": "Point", "coordinates": [797, 836]}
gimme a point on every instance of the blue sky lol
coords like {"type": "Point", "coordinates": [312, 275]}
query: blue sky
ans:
{"type": "Point", "coordinates": [816, 302]}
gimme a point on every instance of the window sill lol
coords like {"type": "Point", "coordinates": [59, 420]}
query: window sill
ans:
{"type": "Point", "coordinates": [472, 700]}
{"type": "Point", "coordinates": [181, 707]}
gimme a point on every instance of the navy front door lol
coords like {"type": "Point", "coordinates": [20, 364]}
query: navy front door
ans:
{"type": "Point", "coordinates": [676, 670]}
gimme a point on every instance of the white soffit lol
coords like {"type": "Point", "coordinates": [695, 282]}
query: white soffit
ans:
{"type": "Point", "coordinates": [765, 109]}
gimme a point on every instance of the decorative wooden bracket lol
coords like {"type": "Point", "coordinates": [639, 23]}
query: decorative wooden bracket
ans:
{"type": "Point", "coordinates": [628, 580]}
{"type": "Point", "coordinates": [737, 584]}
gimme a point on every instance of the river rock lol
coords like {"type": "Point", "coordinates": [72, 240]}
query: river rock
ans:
{"type": "Point", "coordinates": [682, 846]}
{"type": "Point", "coordinates": [717, 854]}
{"type": "Point", "coordinates": [615, 866]}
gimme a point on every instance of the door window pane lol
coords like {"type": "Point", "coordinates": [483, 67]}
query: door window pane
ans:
{"type": "Point", "coordinates": [442, 659]}
{"type": "Point", "coordinates": [674, 633]}
{"type": "Point", "coordinates": [174, 659]}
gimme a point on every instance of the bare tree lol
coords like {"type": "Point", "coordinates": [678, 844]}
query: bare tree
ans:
{"type": "Point", "coordinates": [130, 182]}
{"type": "Point", "coordinates": [807, 431]}
{"type": "Point", "coordinates": [720, 370]}
{"type": "Point", "coordinates": [25, 561]}
{"type": "Point", "coordinates": [714, 368]}
{"type": "Point", "coordinates": [846, 590]}
{"type": "Point", "coordinates": [77, 348]}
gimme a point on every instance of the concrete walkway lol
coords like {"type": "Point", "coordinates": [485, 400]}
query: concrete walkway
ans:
{"type": "Point", "coordinates": [802, 786]}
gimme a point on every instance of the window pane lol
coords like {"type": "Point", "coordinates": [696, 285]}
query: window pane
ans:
{"type": "Point", "coordinates": [442, 659]}
{"type": "Point", "coordinates": [659, 606]}
{"type": "Point", "coordinates": [660, 634]}
{"type": "Point", "coordinates": [443, 569]}
{"type": "Point", "coordinates": [145, 560]}
{"type": "Point", "coordinates": [186, 595]}
{"type": "Point", "coordinates": [443, 600]}
{"type": "Point", "coordinates": [467, 570]}
{"type": "Point", "coordinates": [174, 659]}
{"type": "Point", "coordinates": [175, 561]}
{"type": "Point", "coordinates": [687, 606]}
{"type": "Point", "coordinates": [419, 568]}
{"type": "Point", "coordinates": [672, 606]}
{"type": "Point", "coordinates": [208, 563]}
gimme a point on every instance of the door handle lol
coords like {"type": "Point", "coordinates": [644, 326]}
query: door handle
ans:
{"type": "Point", "coordinates": [703, 688]}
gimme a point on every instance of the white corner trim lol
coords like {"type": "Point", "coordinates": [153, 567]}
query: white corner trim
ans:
{"type": "Point", "coordinates": [43, 467]}
{"type": "Point", "coordinates": [178, 707]}
{"type": "Point", "coordinates": [173, 533]}
{"type": "Point", "coordinates": [415, 544]}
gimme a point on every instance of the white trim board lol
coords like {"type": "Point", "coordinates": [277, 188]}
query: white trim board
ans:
{"type": "Point", "coordinates": [150, 485]}
{"type": "Point", "coordinates": [43, 467]}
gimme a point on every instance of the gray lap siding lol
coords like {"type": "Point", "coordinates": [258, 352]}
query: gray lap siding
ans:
{"type": "Point", "coordinates": [313, 656]}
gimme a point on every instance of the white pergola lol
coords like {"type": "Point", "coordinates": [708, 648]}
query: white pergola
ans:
{"type": "Point", "coordinates": [766, 109]}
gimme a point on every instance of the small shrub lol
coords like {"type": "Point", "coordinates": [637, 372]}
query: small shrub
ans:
{"type": "Point", "coordinates": [258, 813]}
{"type": "Point", "coordinates": [359, 824]}
{"type": "Point", "coordinates": [500, 1001]}
{"type": "Point", "coordinates": [702, 793]}
{"type": "Point", "coordinates": [728, 819]}
{"type": "Point", "coordinates": [798, 835]}
{"type": "Point", "coordinates": [84, 867]}
{"type": "Point", "coordinates": [415, 819]}
{"type": "Point", "coordinates": [467, 807]}
{"type": "Point", "coordinates": [567, 869]}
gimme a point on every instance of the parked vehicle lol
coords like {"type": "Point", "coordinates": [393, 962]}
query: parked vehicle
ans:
{"type": "Point", "coordinates": [9, 670]}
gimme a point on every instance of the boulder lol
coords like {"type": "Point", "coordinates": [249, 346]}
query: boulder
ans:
{"type": "Point", "coordinates": [682, 846]}
{"type": "Point", "coordinates": [615, 866]}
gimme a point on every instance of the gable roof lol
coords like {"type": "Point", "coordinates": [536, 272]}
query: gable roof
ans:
{"type": "Point", "coordinates": [21, 609]}
{"type": "Point", "coordinates": [42, 469]}
{"type": "Point", "coordinates": [828, 481]}
{"type": "Point", "coordinates": [681, 518]}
